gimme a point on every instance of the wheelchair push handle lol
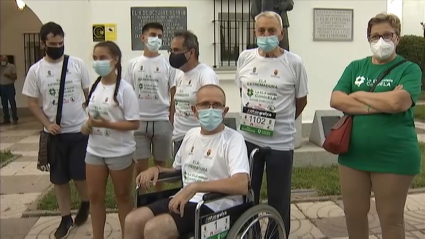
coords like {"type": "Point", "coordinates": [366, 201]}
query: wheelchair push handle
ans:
{"type": "Point", "coordinates": [265, 150]}
{"type": "Point", "coordinates": [261, 151]}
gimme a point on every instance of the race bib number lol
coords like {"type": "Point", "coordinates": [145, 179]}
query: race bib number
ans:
{"type": "Point", "coordinates": [216, 229]}
{"type": "Point", "coordinates": [256, 121]}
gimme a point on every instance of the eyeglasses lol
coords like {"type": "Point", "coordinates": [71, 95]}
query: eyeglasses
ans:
{"type": "Point", "coordinates": [207, 105]}
{"type": "Point", "coordinates": [177, 51]}
{"type": "Point", "coordinates": [386, 36]}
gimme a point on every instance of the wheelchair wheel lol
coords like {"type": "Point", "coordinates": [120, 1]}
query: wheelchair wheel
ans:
{"type": "Point", "coordinates": [255, 223]}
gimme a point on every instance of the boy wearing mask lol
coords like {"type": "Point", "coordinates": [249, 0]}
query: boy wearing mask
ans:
{"type": "Point", "coordinates": [153, 80]}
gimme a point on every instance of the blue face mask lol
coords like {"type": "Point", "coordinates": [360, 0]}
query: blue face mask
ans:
{"type": "Point", "coordinates": [268, 43]}
{"type": "Point", "coordinates": [103, 68]}
{"type": "Point", "coordinates": [210, 118]}
{"type": "Point", "coordinates": [153, 44]}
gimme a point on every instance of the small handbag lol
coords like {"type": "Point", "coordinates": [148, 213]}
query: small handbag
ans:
{"type": "Point", "coordinates": [48, 142]}
{"type": "Point", "coordinates": [338, 139]}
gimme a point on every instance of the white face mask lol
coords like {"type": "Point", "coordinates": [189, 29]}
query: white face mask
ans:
{"type": "Point", "coordinates": [382, 49]}
{"type": "Point", "coordinates": [153, 44]}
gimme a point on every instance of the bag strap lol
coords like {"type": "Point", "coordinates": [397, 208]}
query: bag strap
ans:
{"type": "Point", "coordinates": [62, 89]}
{"type": "Point", "coordinates": [385, 73]}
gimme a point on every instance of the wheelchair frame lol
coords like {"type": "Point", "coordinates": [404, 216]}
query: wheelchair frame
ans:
{"type": "Point", "coordinates": [210, 197]}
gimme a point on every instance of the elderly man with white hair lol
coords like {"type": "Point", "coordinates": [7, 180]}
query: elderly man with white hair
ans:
{"type": "Point", "coordinates": [273, 86]}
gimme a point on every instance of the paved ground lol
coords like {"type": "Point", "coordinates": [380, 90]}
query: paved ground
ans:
{"type": "Point", "coordinates": [22, 184]}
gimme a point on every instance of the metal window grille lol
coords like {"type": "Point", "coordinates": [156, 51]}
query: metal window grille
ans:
{"type": "Point", "coordinates": [233, 31]}
{"type": "Point", "coordinates": [32, 49]}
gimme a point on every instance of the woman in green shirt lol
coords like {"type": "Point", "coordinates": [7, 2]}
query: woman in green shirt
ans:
{"type": "Point", "coordinates": [384, 153]}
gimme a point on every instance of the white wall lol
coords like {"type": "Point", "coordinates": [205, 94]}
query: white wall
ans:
{"type": "Point", "coordinates": [413, 14]}
{"type": "Point", "coordinates": [14, 24]}
{"type": "Point", "coordinates": [324, 61]}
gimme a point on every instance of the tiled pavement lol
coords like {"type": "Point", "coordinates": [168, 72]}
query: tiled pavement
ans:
{"type": "Point", "coordinates": [22, 184]}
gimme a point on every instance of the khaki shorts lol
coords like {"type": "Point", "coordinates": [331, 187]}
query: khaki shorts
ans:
{"type": "Point", "coordinates": [153, 138]}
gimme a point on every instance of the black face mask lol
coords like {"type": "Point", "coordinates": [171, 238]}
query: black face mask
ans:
{"type": "Point", "coordinates": [55, 52]}
{"type": "Point", "coordinates": [177, 60]}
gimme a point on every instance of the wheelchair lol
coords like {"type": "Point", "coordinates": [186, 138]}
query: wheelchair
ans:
{"type": "Point", "coordinates": [242, 221]}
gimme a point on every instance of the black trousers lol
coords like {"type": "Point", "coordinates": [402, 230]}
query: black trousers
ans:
{"type": "Point", "coordinates": [279, 173]}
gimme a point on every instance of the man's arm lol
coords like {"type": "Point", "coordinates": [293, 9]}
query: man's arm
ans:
{"type": "Point", "coordinates": [31, 90]}
{"type": "Point", "coordinates": [85, 79]}
{"type": "Point", "coordinates": [172, 105]}
{"type": "Point", "coordinates": [300, 104]}
{"type": "Point", "coordinates": [166, 170]}
{"type": "Point", "coordinates": [301, 89]}
{"type": "Point", "coordinates": [235, 185]}
{"type": "Point", "coordinates": [36, 110]}
{"type": "Point", "coordinates": [86, 94]}
{"type": "Point", "coordinates": [172, 84]}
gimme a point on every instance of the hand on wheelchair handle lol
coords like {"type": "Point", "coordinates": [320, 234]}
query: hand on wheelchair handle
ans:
{"type": "Point", "coordinates": [147, 178]}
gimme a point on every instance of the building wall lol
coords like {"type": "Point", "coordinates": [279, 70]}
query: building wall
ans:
{"type": "Point", "coordinates": [14, 24]}
{"type": "Point", "coordinates": [413, 14]}
{"type": "Point", "coordinates": [324, 61]}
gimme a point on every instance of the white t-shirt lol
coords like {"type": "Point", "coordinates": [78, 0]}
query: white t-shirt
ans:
{"type": "Point", "coordinates": [43, 80]}
{"type": "Point", "coordinates": [105, 142]}
{"type": "Point", "coordinates": [205, 158]}
{"type": "Point", "coordinates": [270, 87]}
{"type": "Point", "coordinates": [188, 84]}
{"type": "Point", "coordinates": [152, 79]}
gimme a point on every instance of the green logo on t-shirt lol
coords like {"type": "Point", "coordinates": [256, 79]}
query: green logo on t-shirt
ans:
{"type": "Point", "coordinates": [250, 92]}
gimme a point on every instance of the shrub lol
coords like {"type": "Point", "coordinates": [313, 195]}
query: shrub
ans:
{"type": "Point", "coordinates": [413, 49]}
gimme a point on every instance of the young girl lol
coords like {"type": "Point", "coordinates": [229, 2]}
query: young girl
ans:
{"type": "Point", "coordinates": [113, 115]}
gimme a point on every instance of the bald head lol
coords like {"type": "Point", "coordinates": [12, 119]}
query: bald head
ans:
{"type": "Point", "coordinates": [210, 102]}
{"type": "Point", "coordinates": [3, 58]}
{"type": "Point", "coordinates": [211, 93]}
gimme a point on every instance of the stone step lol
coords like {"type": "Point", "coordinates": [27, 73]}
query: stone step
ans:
{"type": "Point", "coordinates": [310, 154]}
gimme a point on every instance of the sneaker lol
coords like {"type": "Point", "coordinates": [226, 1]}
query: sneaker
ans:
{"type": "Point", "coordinates": [83, 213]}
{"type": "Point", "coordinates": [64, 227]}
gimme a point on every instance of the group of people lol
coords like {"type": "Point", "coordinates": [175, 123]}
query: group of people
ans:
{"type": "Point", "coordinates": [161, 103]}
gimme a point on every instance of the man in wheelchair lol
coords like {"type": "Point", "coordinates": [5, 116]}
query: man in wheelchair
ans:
{"type": "Point", "coordinates": [212, 158]}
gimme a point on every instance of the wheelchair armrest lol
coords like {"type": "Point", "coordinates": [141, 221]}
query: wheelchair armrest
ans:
{"type": "Point", "coordinates": [213, 196]}
{"type": "Point", "coordinates": [174, 176]}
